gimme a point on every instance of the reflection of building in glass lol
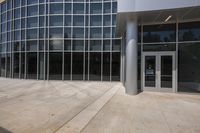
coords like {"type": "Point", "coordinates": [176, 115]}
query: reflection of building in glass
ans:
{"type": "Point", "coordinates": [65, 40]}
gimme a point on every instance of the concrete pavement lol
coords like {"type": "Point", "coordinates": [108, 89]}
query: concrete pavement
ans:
{"type": "Point", "coordinates": [29, 106]}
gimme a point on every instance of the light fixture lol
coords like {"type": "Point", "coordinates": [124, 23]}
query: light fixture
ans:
{"type": "Point", "coordinates": [168, 18]}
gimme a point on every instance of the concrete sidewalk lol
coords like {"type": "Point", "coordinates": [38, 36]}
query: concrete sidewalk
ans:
{"type": "Point", "coordinates": [148, 112]}
{"type": "Point", "coordinates": [29, 106]}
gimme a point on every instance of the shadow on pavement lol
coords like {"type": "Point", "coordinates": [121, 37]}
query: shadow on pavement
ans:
{"type": "Point", "coordinates": [3, 130]}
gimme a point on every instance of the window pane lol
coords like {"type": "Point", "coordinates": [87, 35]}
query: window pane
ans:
{"type": "Point", "coordinates": [55, 33]}
{"type": "Point", "coordinates": [56, 9]}
{"type": "Point", "coordinates": [68, 8]}
{"type": "Point", "coordinates": [95, 33]}
{"type": "Point", "coordinates": [56, 21]}
{"type": "Point", "coordinates": [106, 66]}
{"type": "Point", "coordinates": [107, 20]}
{"type": "Point", "coordinates": [188, 67]}
{"type": "Point", "coordinates": [41, 66]}
{"type": "Point", "coordinates": [96, 20]}
{"type": "Point", "coordinates": [116, 66]}
{"type": "Point", "coordinates": [160, 33]}
{"type": "Point", "coordinates": [32, 22]}
{"type": "Point", "coordinates": [78, 20]}
{"type": "Point", "coordinates": [56, 45]}
{"type": "Point", "coordinates": [189, 31]}
{"type": "Point", "coordinates": [3, 65]}
{"type": "Point", "coordinates": [107, 7]}
{"type": "Point", "coordinates": [32, 2]}
{"type": "Point", "coordinates": [116, 44]}
{"type": "Point", "coordinates": [78, 33]}
{"type": "Point", "coordinates": [78, 8]}
{"type": "Point", "coordinates": [31, 46]}
{"type": "Point", "coordinates": [77, 65]}
{"type": "Point", "coordinates": [95, 66]}
{"type": "Point", "coordinates": [31, 65]}
{"type": "Point", "coordinates": [32, 10]}
{"type": "Point", "coordinates": [96, 8]}
{"type": "Point", "coordinates": [67, 68]}
{"type": "Point", "coordinates": [55, 66]}
{"type": "Point", "coordinates": [95, 45]}
{"type": "Point", "coordinates": [32, 34]}
{"type": "Point", "coordinates": [78, 45]}
{"type": "Point", "coordinates": [159, 47]}
{"type": "Point", "coordinates": [68, 21]}
{"type": "Point", "coordinates": [16, 65]}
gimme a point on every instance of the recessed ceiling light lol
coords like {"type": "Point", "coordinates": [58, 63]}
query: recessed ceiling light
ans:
{"type": "Point", "coordinates": [168, 18]}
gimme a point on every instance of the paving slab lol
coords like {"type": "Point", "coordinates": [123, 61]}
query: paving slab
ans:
{"type": "Point", "coordinates": [148, 112]}
{"type": "Point", "coordinates": [30, 106]}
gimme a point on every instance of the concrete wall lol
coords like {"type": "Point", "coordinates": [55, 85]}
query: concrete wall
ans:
{"type": "Point", "coordinates": [149, 5]}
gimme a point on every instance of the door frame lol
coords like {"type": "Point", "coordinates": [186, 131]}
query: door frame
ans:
{"type": "Point", "coordinates": [158, 77]}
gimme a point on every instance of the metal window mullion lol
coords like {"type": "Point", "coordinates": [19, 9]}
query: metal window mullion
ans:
{"type": "Point", "coordinates": [176, 60]}
{"type": "Point", "coordinates": [5, 43]}
{"type": "Point", "coordinates": [20, 42]}
{"type": "Point", "coordinates": [72, 21]}
{"type": "Point", "coordinates": [63, 58]}
{"type": "Point", "coordinates": [84, 53]}
{"type": "Point", "coordinates": [12, 39]}
{"type": "Point", "coordinates": [111, 40]}
{"type": "Point", "coordinates": [25, 67]}
{"type": "Point", "coordinates": [142, 62]}
{"type": "Point", "coordinates": [45, 36]}
{"type": "Point", "coordinates": [102, 31]}
{"type": "Point", "coordinates": [84, 40]}
{"type": "Point", "coordinates": [89, 15]}
{"type": "Point", "coordinates": [38, 31]}
{"type": "Point", "coordinates": [48, 14]}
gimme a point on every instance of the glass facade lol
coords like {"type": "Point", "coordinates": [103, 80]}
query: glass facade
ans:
{"type": "Point", "coordinates": [186, 45]}
{"type": "Point", "coordinates": [60, 40]}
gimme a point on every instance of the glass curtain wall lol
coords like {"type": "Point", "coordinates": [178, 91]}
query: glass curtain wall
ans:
{"type": "Point", "coordinates": [60, 40]}
{"type": "Point", "coordinates": [162, 37]}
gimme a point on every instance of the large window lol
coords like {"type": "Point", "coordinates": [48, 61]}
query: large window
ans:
{"type": "Point", "coordinates": [159, 33]}
{"type": "Point", "coordinates": [55, 66]}
{"type": "Point", "coordinates": [189, 31]}
{"type": "Point", "coordinates": [188, 67]}
{"type": "Point", "coordinates": [95, 66]}
{"type": "Point", "coordinates": [31, 66]}
{"type": "Point", "coordinates": [77, 66]}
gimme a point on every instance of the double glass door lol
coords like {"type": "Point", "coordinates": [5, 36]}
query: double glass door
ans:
{"type": "Point", "coordinates": [159, 73]}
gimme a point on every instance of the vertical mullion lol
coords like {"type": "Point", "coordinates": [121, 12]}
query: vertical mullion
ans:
{"type": "Point", "coordinates": [102, 30]}
{"type": "Point", "coordinates": [89, 28]}
{"type": "Point", "coordinates": [63, 52]}
{"type": "Point", "coordinates": [38, 41]}
{"type": "Point", "coordinates": [5, 43]}
{"type": "Point", "coordinates": [84, 40]}
{"type": "Point", "coordinates": [72, 21]}
{"type": "Point", "coordinates": [20, 41]}
{"type": "Point", "coordinates": [25, 67]}
{"type": "Point", "coordinates": [111, 41]}
{"type": "Point", "coordinates": [142, 61]}
{"type": "Point", "coordinates": [48, 15]}
{"type": "Point", "coordinates": [45, 37]}
{"type": "Point", "coordinates": [176, 54]}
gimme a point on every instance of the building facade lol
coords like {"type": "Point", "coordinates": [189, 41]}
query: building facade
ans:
{"type": "Point", "coordinates": [60, 40]}
{"type": "Point", "coordinates": [149, 45]}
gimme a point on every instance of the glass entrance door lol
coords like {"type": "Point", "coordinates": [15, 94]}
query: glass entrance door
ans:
{"type": "Point", "coordinates": [159, 71]}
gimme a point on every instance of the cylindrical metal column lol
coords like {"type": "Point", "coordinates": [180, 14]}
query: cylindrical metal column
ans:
{"type": "Point", "coordinates": [131, 57]}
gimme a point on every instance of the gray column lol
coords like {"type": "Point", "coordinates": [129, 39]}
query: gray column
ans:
{"type": "Point", "coordinates": [131, 57]}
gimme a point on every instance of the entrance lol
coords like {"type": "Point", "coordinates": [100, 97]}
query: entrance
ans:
{"type": "Point", "coordinates": [159, 73]}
